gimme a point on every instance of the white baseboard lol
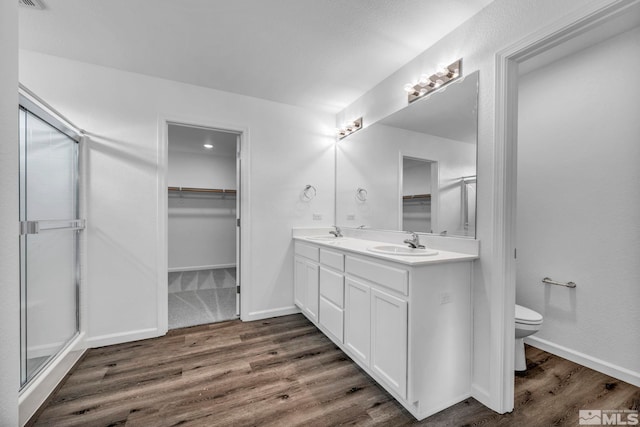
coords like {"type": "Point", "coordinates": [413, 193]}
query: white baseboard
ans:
{"type": "Point", "coordinates": [39, 389]}
{"type": "Point", "coordinates": [266, 314]}
{"type": "Point", "coordinates": [599, 365]}
{"type": "Point", "coordinates": [427, 412]}
{"type": "Point", "coordinates": [117, 338]}
{"type": "Point", "coordinates": [201, 267]}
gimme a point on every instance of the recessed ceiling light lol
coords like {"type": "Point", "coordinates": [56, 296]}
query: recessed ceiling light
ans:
{"type": "Point", "coordinates": [208, 146]}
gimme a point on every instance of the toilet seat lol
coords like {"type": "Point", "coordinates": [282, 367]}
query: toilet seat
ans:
{"type": "Point", "coordinates": [526, 316]}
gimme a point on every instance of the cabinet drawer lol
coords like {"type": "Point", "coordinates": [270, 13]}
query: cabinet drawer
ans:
{"type": "Point", "coordinates": [332, 259]}
{"type": "Point", "coordinates": [331, 317]}
{"type": "Point", "coordinates": [332, 286]}
{"type": "Point", "coordinates": [307, 251]}
{"type": "Point", "coordinates": [389, 277]}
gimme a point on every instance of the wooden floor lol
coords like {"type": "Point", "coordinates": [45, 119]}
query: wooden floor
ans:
{"type": "Point", "coordinates": [284, 372]}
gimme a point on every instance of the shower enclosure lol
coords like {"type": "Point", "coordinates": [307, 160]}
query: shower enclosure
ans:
{"type": "Point", "coordinates": [49, 234]}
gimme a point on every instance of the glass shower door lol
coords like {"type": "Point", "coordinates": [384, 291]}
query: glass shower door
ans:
{"type": "Point", "coordinates": [49, 227]}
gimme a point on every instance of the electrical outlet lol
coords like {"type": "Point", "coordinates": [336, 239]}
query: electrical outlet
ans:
{"type": "Point", "coordinates": [445, 298]}
{"type": "Point", "coordinates": [317, 217]}
{"type": "Point", "coordinates": [351, 217]}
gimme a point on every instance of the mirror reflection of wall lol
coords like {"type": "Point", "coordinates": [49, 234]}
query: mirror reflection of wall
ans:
{"type": "Point", "coordinates": [441, 128]}
{"type": "Point", "coordinates": [416, 194]}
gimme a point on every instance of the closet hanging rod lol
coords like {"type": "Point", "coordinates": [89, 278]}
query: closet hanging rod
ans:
{"type": "Point", "coordinates": [203, 190]}
{"type": "Point", "coordinates": [417, 196]}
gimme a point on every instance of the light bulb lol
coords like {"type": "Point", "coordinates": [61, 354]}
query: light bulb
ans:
{"type": "Point", "coordinates": [424, 80]}
{"type": "Point", "coordinates": [409, 88]}
{"type": "Point", "coordinates": [208, 146]}
{"type": "Point", "coordinates": [423, 91]}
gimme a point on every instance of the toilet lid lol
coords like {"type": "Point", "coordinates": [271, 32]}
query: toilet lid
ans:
{"type": "Point", "coordinates": [527, 316]}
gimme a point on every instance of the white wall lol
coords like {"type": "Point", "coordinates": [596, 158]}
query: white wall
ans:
{"type": "Point", "coordinates": [122, 112]}
{"type": "Point", "coordinates": [499, 25]}
{"type": "Point", "coordinates": [416, 177]}
{"type": "Point", "coordinates": [201, 170]}
{"type": "Point", "coordinates": [371, 159]}
{"type": "Point", "coordinates": [202, 226]}
{"type": "Point", "coordinates": [578, 205]}
{"type": "Point", "coordinates": [9, 262]}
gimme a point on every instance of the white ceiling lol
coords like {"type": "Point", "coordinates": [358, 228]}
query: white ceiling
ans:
{"type": "Point", "coordinates": [321, 54]}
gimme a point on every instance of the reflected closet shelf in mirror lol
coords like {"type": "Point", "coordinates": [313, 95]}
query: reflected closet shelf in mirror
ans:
{"type": "Point", "coordinates": [417, 196]}
{"type": "Point", "coordinates": [202, 190]}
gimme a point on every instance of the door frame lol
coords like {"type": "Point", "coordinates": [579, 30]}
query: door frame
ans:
{"type": "Point", "coordinates": [435, 189]}
{"type": "Point", "coordinates": [505, 175]}
{"type": "Point", "coordinates": [243, 212]}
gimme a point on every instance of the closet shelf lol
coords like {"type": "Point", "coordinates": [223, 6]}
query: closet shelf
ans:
{"type": "Point", "coordinates": [417, 196]}
{"type": "Point", "coordinates": [203, 190]}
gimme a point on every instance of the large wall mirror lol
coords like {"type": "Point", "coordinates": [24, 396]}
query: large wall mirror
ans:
{"type": "Point", "coordinates": [414, 170]}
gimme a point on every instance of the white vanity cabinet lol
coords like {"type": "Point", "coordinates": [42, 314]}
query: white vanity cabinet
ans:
{"type": "Point", "coordinates": [407, 324]}
{"type": "Point", "coordinates": [357, 334]}
{"type": "Point", "coordinates": [389, 340]}
{"type": "Point", "coordinates": [332, 293]}
{"type": "Point", "coordinates": [306, 279]}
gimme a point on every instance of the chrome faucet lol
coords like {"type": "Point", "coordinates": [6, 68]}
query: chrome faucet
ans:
{"type": "Point", "coordinates": [414, 242]}
{"type": "Point", "coordinates": [337, 232]}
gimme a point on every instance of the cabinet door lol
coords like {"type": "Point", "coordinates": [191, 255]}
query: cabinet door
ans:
{"type": "Point", "coordinates": [331, 317]}
{"type": "Point", "coordinates": [312, 290]}
{"type": "Point", "coordinates": [300, 282]}
{"type": "Point", "coordinates": [357, 327]}
{"type": "Point", "coordinates": [332, 286]}
{"type": "Point", "coordinates": [389, 340]}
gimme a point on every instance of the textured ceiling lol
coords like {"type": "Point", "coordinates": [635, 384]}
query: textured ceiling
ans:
{"type": "Point", "coordinates": [321, 54]}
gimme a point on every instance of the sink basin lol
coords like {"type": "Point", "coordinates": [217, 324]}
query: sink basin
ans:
{"type": "Point", "coordinates": [401, 250]}
{"type": "Point", "coordinates": [329, 238]}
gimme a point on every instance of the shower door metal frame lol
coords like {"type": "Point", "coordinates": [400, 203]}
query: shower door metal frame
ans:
{"type": "Point", "coordinates": [29, 103]}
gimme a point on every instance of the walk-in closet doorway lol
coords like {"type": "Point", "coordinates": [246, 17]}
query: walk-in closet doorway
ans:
{"type": "Point", "coordinates": [203, 233]}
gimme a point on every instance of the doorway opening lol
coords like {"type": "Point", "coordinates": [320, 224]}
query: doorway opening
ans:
{"type": "Point", "coordinates": [569, 35]}
{"type": "Point", "coordinates": [203, 177]}
{"type": "Point", "coordinates": [419, 181]}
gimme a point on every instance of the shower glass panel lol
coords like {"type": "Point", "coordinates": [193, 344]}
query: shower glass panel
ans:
{"type": "Point", "coordinates": [48, 242]}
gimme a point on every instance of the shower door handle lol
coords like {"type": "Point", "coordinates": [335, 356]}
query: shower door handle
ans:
{"type": "Point", "coordinates": [36, 227]}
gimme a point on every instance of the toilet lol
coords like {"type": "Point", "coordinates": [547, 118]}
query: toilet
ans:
{"type": "Point", "coordinates": [528, 322]}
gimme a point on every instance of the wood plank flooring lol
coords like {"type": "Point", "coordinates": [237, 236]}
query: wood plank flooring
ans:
{"type": "Point", "coordinates": [284, 372]}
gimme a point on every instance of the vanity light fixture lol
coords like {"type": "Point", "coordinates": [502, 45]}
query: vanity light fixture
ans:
{"type": "Point", "coordinates": [208, 146]}
{"type": "Point", "coordinates": [349, 128]}
{"type": "Point", "coordinates": [427, 84]}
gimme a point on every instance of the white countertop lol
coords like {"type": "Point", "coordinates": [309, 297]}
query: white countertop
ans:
{"type": "Point", "coordinates": [360, 246]}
